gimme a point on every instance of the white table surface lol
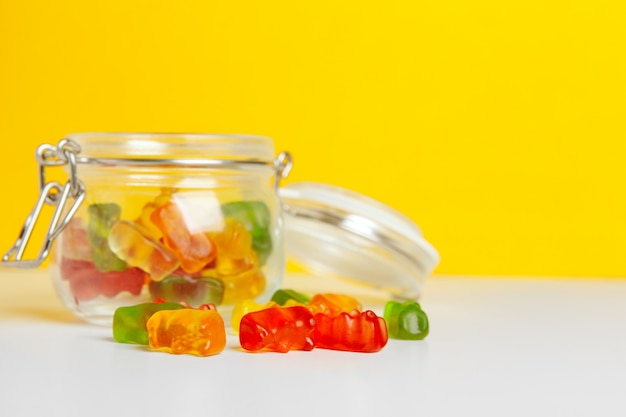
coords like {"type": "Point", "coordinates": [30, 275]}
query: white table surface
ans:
{"type": "Point", "coordinates": [497, 347]}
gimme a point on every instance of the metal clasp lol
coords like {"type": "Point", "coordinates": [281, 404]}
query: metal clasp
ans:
{"type": "Point", "coordinates": [65, 198]}
{"type": "Point", "coordinates": [282, 164]}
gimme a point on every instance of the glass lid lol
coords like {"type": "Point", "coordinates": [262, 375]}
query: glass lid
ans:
{"type": "Point", "coordinates": [331, 231]}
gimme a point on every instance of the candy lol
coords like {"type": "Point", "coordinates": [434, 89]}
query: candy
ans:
{"type": "Point", "coordinates": [406, 320]}
{"type": "Point", "coordinates": [87, 282]}
{"type": "Point", "coordinates": [209, 306]}
{"type": "Point", "coordinates": [113, 283]}
{"type": "Point", "coordinates": [194, 250]}
{"type": "Point", "coordinates": [74, 241]}
{"type": "Point", "coordinates": [178, 272]}
{"type": "Point", "coordinates": [354, 332]}
{"type": "Point", "coordinates": [146, 212]}
{"type": "Point", "coordinates": [101, 219]}
{"type": "Point", "coordinates": [246, 285]}
{"type": "Point", "coordinates": [197, 332]}
{"type": "Point", "coordinates": [234, 242]}
{"type": "Point", "coordinates": [144, 221]}
{"type": "Point", "coordinates": [255, 217]}
{"type": "Point", "coordinates": [83, 277]}
{"type": "Point", "coordinates": [333, 304]}
{"type": "Point", "coordinates": [129, 323]}
{"type": "Point", "coordinates": [281, 297]}
{"type": "Point", "coordinates": [133, 244]}
{"type": "Point", "coordinates": [277, 329]}
{"type": "Point", "coordinates": [188, 290]}
{"type": "Point", "coordinates": [234, 249]}
{"type": "Point", "coordinates": [245, 307]}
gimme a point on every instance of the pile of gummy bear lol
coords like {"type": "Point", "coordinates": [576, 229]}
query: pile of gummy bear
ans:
{"type": "Point", "coordinates": [197, 253]}
{"type": "Point", "coordinates": [160, 250]}
{"type": "Point", "coordinates": [290, 321]}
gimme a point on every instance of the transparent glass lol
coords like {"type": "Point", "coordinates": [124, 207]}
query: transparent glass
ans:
{"type": "Point", "coordinates": [186, 218]}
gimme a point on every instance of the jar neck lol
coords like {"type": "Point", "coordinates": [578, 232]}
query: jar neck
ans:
{"type": "Point", "coordinates": [167, 148]}
{"type": "Point", "coordinates": [215, 178]}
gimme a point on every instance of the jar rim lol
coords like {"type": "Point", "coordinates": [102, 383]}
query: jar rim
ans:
{"type": "Point", "coordinates": [172, 149]}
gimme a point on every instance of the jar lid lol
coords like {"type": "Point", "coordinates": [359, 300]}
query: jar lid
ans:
{"type": "Point", "coordinates": [335, 232]}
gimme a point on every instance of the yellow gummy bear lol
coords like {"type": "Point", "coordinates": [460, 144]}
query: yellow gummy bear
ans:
{"type": "Point", "coordinates": [247, 285]}
{"type": "Point", "coordinates": [245, 307]}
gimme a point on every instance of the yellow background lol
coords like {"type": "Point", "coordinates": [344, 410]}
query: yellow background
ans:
{"type": "Point", "coordinates": [498, 126]}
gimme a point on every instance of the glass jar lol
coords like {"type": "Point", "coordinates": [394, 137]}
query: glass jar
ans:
{"type": "Point", "coordinates": [199, 219]}
{"type": "Point", "coordinates": [182, 217]}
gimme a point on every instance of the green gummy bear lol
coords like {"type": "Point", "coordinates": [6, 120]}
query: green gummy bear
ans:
{"type": "Point", "coordinates": [101, 219]}
{"type": "Point", "coordinates": [194, 292]}
{"type": "Point", "coordinates": [280, 297]}
{"type": "Point", "coordinates": [256, 218]}
{"type": "Point", "coordinates": [406, 321]}
{"type": "Point", "coordinates": [129, 323]}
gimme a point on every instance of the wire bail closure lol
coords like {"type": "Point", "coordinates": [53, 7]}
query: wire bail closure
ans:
{"type": "Point", "coordinates": [67, 199]}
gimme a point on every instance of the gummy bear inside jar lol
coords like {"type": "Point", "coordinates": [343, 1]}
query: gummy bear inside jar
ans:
{"type": "Point", "coordinates": [180, 245]}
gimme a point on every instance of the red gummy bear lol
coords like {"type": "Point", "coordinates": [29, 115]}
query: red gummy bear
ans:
{"type": "Point", "coordinates": [277, 329]}
{"type": "Point", "coordinates": [113, 283]}
{"type": "Point", "coordinates": [354, 332]}
{"type": "Point", "coordinates": [87, 282]}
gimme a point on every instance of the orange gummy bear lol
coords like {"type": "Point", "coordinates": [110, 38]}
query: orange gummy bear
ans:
{"type": "Point", "coordinates": [333, 304]}
{"type": "Point", "coordinates": [137, 248]}
{"type": "Point", "coordinates": [197, 332]}
{"type": "Point", "coordinates": [194, 251]}
{"type": "Point", "coordinates": [144, 217]}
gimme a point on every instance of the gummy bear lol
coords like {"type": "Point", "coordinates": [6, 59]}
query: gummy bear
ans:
{"type": "Point", "coordinates": [114, 282]}
{"type": "Point", "coordinates": [194, 250]}
{"type": "Point", "coordinates": [256, 218]}
{"type": "Point", "coordinates": [197, 332]}
{"type": "Point", "coordinates": [278, 329]}
{"type": "Point", "coordinates": [245, 307]}
{"type": "Point", "coordinates": [87, 282]}
{"type": "Point", "coordinates": [129, 323]}
{"type": "Point", "coordinates": [354, 332]}
{"type": "Point", "coordinates": [178, 272]}
{"type": "Point", "coordinates": [132, 244]}
{"type": "Point", "coordinates": [144, 217]}
{"type": "Point", "coordinates": [246, 285]}
{"type": "Point", "coordinates": [209, 306]}
{"type": "Point", "coordinates": [83, 277]}
{"type": "Point", "coordinates": [282, 296]}
{"type": "Point", "coordinates": [333, 304]}
{"type": "Point", "coordinates": [234, 249]}
{"type": "Point", "coordinates": [74, 241]}
{"type": "Point", "coordinates": [406, 320]}
{"type": "Point", "coordinates": [192, 291]}
{"type": "Point", "coordinates": [101, 219]}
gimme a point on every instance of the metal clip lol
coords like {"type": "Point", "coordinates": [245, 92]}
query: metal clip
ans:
{"type": "Point", "coordinates": [283, 165]}
{"type": "Point", "coordinates": [53, 194]}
